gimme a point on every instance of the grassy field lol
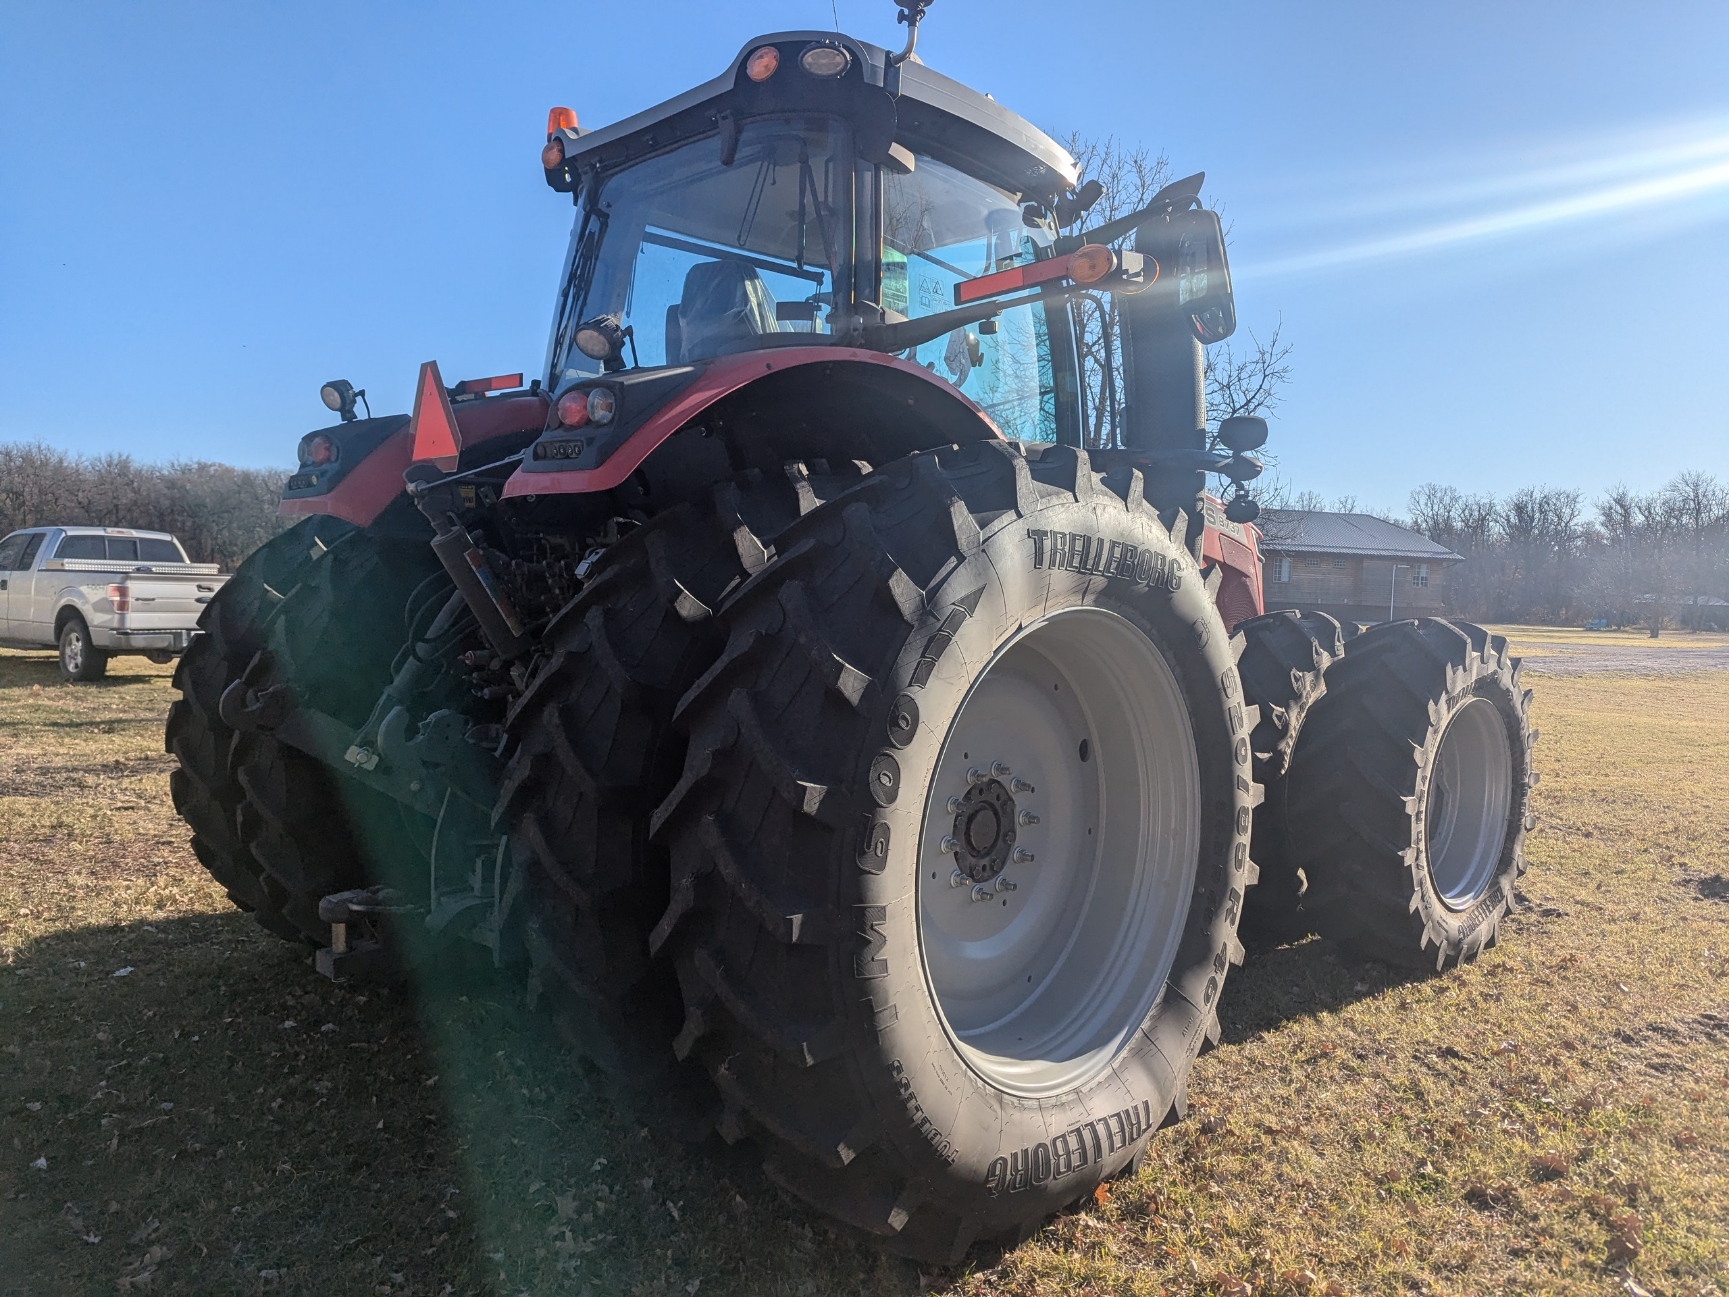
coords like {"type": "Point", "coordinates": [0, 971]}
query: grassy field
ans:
{"type": "Point", "coordinates": [186, 1107]}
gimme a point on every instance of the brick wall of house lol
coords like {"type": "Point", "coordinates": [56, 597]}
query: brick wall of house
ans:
{"type": "Point", "coordinates": [1353, 587]}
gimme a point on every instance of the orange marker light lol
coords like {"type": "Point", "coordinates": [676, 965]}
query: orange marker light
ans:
{"type": "Point", "coordinates": [560, 119]}
{"type": "Point", "coordinates": [552, 155]}
{"type": "Point", "coordinates": [763, 63]}
{"type": "Point", "coordinates": [1092, 263]}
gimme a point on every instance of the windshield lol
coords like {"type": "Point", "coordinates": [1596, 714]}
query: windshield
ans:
{"type": "Point", "coordinates": [941, 226]}
{"type": "Point", "coordinates": [699, 258]}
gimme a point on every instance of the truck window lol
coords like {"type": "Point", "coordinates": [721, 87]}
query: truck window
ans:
{"type": "Point", "coordinates": [81, 547]}
{"type": "Point", "coordinates": [152, 549]}
{"type": "Point", "coordinates": [32, 544]}
{"type": "Point", "coordinates": [12, 553]}
{"type": "Point", "coordinates": [122, 549]}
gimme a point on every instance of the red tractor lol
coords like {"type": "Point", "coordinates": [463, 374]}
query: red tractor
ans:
{"type": "Point", "coordinates": [848, 759]}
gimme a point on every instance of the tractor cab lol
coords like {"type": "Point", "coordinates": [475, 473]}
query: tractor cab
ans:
{"type": "Point", "coordinates": [814, 193]}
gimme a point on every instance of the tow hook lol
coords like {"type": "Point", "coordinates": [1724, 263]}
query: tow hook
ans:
{"type": "Point", "coordinates": [356, 954]}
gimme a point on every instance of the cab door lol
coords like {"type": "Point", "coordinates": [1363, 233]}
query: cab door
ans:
{"type": "Point", "coordinates": [10, 549]}
{"type": "Point", "coordinates": [17, 555]}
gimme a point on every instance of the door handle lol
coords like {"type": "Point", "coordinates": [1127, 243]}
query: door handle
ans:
{"type": "Point", "coordinates": [2, 583]}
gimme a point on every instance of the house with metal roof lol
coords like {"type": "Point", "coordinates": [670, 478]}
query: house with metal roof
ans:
{"type": "Point", "coordinates": [1352, 565]}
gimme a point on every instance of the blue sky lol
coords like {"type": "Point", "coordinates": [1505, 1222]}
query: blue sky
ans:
{"type": "Point", "coordinates": [1497, 234]}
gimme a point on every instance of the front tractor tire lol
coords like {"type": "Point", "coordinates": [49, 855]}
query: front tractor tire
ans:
{"type": "Point", "coordinates": [1408, 797]}
{"type": "Point", "coordinates": [205, 787]}
{"type": "Point", "coordinates": [961, 844]}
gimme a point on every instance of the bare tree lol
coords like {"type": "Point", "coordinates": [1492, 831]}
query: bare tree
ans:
{"type": "Point", "coordinates": [221, 513]}
{"type": "Point", "coordinates": [1246, 381]}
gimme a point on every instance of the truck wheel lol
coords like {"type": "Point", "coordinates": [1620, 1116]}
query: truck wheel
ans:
{"type": "Point", "coordinates": [961, 843]}
{"type": "Point", "coordinates": [595, 750]}
{"type": "Point", "coordinates": [80, 660]}
{"type": "Point", "coordinates": [1408, 797]}
{"type": "Point", "coordinates": [1283, 664]}
{"type": "Point", "coordinates": [204, 788]}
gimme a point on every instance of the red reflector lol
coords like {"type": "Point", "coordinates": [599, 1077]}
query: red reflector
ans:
{"type": "Point", "coordinates": [1007, 281]}
{"type": "Point", "coordinates": [437, 440]}
{"type": "Point", "coordinates": [503, 382]}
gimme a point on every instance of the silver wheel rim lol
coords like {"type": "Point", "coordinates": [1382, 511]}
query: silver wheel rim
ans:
{"type": "Point", "coordinates": [1047, 951]}
{"type": "Point", "coordinates": [72, 646]}
{"type": "Point", "coordinates": [1470, 794]}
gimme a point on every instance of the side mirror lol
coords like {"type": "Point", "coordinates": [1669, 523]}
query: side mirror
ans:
{"type": "Point", "coordinates": [1242, 433]}
{"type": "Point", "coordinates": [1242, 509]}
{"type": "Point", "coordinates": [1194, 275]}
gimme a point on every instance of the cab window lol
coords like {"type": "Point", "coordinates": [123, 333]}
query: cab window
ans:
{"type": "Point", "coordinates": [12, 552]}
{"type": "Point", "coordinates": [940, 226]}
{"type": "Point", "coordinates": [699, 256]}
{"type": "Point", "coordinates": [82, 547]}
{"type": "Point", "coordinates": [155, 549]}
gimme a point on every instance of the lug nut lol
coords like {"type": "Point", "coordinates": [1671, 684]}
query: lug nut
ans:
{"type": "Point", "coordinates": [981, 892]}
{"type": "Point", "coordinates": [1027, 817]}
{"type": "Point", "coordinates": [1023, 857]}
{"type": "Point", "coordinates": [1021, 786]}
{"type": "Point", "coordinates": [958, 879]}
{"type": "Point", "coordinates": [949, 845]}
{"type": "Point", "coordinates": [1000, 771]}
{"type": "Point", "coordinates": [954, 806]}
{"type": "Point", "coordinates": [1004, 884]}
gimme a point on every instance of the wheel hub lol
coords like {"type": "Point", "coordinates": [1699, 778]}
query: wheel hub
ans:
{"type": "Point", "coordinates": [984, 830]}
{"type": "Point", "coordinates": [1058, 850]}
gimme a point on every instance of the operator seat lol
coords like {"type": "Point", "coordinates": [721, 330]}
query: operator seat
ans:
{"type": "Point", "coordinates": [723, 302]}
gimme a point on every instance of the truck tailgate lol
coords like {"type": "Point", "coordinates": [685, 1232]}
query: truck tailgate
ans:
{"type": "Point", "coordinates": [159, 602]}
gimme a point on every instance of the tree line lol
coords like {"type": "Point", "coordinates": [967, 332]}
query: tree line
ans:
{"type": "Point", "coordinates": [220, 513]}
{"type": "Point", "coordinates": [1546, 554]}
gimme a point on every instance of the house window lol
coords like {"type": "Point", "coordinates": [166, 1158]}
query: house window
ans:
{"type": "Point", "coordinates": [1281, 570]}
{"type": "Point", "coordinates": [1420, 575]}
{"type": "Point", "coordinates": [1311, 562]}
{"type": "Point", "coordinates": [1339, 562]}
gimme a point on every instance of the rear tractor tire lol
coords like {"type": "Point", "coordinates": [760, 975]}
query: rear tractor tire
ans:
{"type": "Point", "coordinates": [1408, 797]}
{"type": "Point", "coordinates": [1284, 665]}
{"type": "Point", "coordinates": [961, 844]}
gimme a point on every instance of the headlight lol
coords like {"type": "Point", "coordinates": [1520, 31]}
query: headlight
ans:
{"type": "Point", "coordinates": [601, 338]}
{"type": "Point", "coordinates": [602, 405]}
{"type": "Point", "coordinates": [338, 395]}
{"type": "Point", "coordinates": [318, 449]}
{"type": "Point", "coordinates": [825, 60]}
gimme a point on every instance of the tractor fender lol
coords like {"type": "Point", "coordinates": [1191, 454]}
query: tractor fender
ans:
{"type": "Point", "coordinates": [376, 453]}
{"type": "Point", "coordinates": [768, 406]}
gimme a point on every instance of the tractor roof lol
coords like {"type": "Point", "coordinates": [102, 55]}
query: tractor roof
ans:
{"type": "Point", "coordinates": [933, 109]}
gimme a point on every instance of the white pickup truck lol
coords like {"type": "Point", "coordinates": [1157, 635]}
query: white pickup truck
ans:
{"type": "Point", "coordinates": [93, 592]}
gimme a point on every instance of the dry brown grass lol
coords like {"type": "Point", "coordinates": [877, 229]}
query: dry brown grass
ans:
{"type": "Point", "coordinates": [1554, 1118]}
